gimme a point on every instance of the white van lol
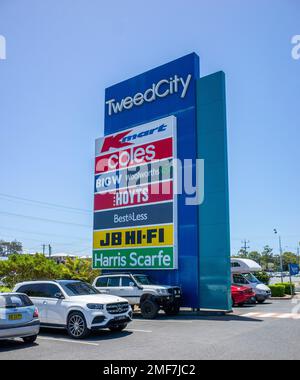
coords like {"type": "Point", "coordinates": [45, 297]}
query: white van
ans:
{"type": "Point", "coordinates": [242, 272]}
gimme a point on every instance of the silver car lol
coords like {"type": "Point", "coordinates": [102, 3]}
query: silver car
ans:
{"type": "Point", "coordinates": [19, 318]}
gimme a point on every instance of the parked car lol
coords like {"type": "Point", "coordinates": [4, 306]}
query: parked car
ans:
{"type": "Point", "coordinates": [141, 290]}
{"type": "Point", "coordinates": [243, 271]}
{"type": "Point", "coordinates": [76, 306]}
{"type": "Point", "coordinates": [19, 318]}
{"type": "Point", "coordinates": [242, 295]}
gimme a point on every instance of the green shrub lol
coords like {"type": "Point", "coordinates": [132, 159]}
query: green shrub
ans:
{"type": "Point", "coordinates": [19, 268]}
{"type": "Point", "coordinates": [287, 288]}
{"type": "Point", "coordinates": [4, 290]}
{"type": "Point", "coordinates": [277, 290]}
{"type": "Point", "coordinates": [263, 277]}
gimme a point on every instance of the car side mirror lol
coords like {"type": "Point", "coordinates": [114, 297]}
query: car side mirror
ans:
{"type": "Point", "coordinates": [132, 284]}
{"type": "Point", "coordinates": [59, 296]}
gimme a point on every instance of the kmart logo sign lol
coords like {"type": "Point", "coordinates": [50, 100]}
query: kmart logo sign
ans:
{"type": "Point", "coordinates": [162, 89]}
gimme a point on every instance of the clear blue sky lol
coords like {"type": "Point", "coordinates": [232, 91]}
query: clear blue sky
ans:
{"type": "Point", "coordinates": [62, 54]}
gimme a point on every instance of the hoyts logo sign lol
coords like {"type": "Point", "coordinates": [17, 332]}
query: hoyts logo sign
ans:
{"type": "Point", "coordinates": [125, 139]}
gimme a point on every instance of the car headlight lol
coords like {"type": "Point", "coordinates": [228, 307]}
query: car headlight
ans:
{"type": "Point", "coordinates": [95, 306]}
{"type": "Point", "coordinates": [260, 291]}
{"type": "Point", "coordinates": [163, 291]}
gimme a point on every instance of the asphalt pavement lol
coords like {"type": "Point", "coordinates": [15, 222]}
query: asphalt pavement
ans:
{"type": "Point", "coordinates": [268, 331]}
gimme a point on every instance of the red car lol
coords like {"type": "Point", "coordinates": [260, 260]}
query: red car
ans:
{"type": "Point", "coordinates": [241, 295]}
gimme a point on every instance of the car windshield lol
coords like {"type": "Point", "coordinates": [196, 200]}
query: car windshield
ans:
{"type": "Point", "coordinates": [14, 301]}
{"type": "Point", "coordinates": [251, 278]}
{"type": "Point", "coordinates": [144, 280]}
{"type": "Point", "coordinates": [79, 289]}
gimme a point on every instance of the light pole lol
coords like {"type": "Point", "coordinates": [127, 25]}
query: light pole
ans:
{"type": "Point", "coordinates": [280, 252]}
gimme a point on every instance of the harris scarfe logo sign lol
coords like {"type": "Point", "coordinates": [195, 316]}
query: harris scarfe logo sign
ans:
{"type": "Point", "coordinates": [160, 90]}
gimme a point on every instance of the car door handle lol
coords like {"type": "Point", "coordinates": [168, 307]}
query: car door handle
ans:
{"type": "Point", "coordinates": [44, 303]}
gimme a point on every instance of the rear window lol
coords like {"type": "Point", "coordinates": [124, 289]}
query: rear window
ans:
{"type": "Point", "coordinates": [43, 290]}
{"type": "Point", "coordinates": [114, 282]}
{"type": "Point", "coordinates": [127, 281]}
{"type": "Point", "coordinates": [13, 301]}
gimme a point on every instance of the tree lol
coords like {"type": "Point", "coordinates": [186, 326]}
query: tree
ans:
{"type": "Point", "coordinates": [19, 268]}
{"type": "Point", "coordinates": [255, 256]}
{"type": "Point", "coordinates": [79, 269]}
{"type": "Point", "coordinates": [242, 254]}
{"type": "Point", "coordinates": [289, 258]}
{"type": "Point", "coordinates": [267, 257]}
{"type": "Point", "coordinates": [10, 248]}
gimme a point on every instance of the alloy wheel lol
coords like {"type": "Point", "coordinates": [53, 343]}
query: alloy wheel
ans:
{"type": "Point", "coordinates": [76, 325]}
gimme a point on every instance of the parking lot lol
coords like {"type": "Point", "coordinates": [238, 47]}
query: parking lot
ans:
{"type": "Point", "coordinates": [268, 331]}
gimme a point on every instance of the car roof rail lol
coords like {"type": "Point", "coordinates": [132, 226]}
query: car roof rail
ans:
{"type": "Point", "coordinates": [116, 274]}
{"type": "Point", "coordinates": [40, 280]}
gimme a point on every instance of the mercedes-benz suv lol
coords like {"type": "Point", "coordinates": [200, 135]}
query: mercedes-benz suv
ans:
{"type": "Point", "coordinates": [76, 306]}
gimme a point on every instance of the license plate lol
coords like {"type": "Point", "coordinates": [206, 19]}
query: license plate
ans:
{"type": "Point", "coordinates": [178, 296]}
{"type": "Point", "coordinates": [15, 317]}
{"type": "Point", "coordinates": [120, 319]}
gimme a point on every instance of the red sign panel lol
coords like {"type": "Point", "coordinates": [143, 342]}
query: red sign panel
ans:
{"type": "Point", "coordinates": [135, 156]}
{"type": "Point", "coordinates": [140, 195]}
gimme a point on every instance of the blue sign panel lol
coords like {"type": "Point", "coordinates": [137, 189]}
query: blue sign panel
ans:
{"type": "Point", "coordinates": [294, 269]}
{"type": "Point", "coordinates": [160, 213]}
{"type": "Point", "coordinates": [164, 91]}
{"type": "Point", "coordinates": [203, 241]}
{"type": "Point", "coordinates": [169, 90]}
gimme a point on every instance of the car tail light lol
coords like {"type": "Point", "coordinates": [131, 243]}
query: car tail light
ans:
{"type": "Point", "coordinates": [36, 313]}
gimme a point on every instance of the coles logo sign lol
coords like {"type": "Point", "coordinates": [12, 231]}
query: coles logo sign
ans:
{"type": "Point", "coordinates": [134, 156]}
{"type": "Point", "coordinates": [141, 145]}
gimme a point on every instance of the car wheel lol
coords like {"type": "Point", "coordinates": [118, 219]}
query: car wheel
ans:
{"type": "Point", "coordinates": [76, 326]}
{"type": "Point", "coordinates": [241, 304]}
{"type": "Point", "coordinates": [260, 301]}
{"type": "Point", "coordinates": [172, 309]}
{"type": "Point", "coordinates": [149, 309]}
{"type": "Point", "coordinates": [30, 339]}
{"type": "Point", "coordinates": [118, 328]}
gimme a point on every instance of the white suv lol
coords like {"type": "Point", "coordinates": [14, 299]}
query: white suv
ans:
{"type": "Point", "coordinates": [141, 290]}
{"type": "Point", "coordinates": [76, 306]}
